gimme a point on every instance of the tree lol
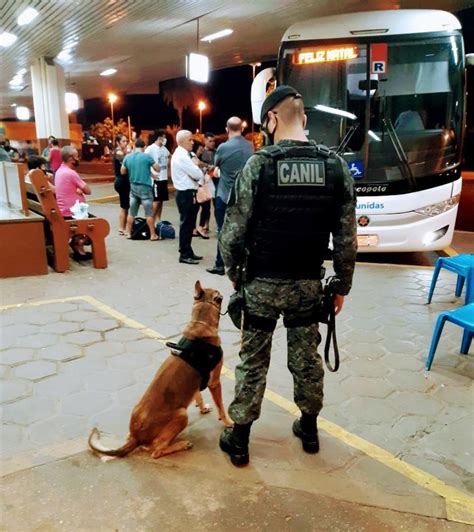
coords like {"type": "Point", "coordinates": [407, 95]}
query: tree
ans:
{"type": "Point", "coordinates": [105, 131]}
{"type": "Point", "coordinates": [181, 93]}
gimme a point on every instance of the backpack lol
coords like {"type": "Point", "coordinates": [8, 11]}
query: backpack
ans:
{"type": "Point", "coordinates": [140, 229]}
{"type": "Point", "coordinates": [165, 230]}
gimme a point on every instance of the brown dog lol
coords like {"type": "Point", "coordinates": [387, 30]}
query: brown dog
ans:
{"type": "Point", "coordinates": [161, 413]}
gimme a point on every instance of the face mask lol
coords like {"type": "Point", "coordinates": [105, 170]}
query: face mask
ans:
{"type": "Point", "coordinates": [75, 162]}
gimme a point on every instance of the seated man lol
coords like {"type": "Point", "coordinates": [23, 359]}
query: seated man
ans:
{"type": "Point", "coordinates": [409, 121]}
{"type": "Point", "coordinates": [69, 189]}
{"type": "Point", "coordinates": [36, 162]}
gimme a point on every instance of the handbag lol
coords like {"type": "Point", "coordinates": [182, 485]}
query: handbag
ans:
{"type": "Point", "coordinates": [203, 193]}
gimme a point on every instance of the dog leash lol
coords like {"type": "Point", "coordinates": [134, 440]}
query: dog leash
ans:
{"type": "Point", "coordinates": [331, 335]}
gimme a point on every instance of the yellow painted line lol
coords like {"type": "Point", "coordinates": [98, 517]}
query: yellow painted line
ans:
{"type": "Point", "coordinates": [42, 302]}
{"type": "Point", "coordinates": [104, 199]}
{"type": "Point", "coordinates": [388, 265]}
{"type": "Point", "coordinates": [459, 505]}
{"type": "Point", "coordinates": [450, 251]}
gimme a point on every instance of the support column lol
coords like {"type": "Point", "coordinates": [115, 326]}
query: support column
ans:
{"type": "Point", "coordinates": [49, 86]}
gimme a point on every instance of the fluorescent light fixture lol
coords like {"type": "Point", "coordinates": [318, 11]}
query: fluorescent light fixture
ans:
{"type": "Point", "coordinates": [374, 136]}
{"type": "Point", "coordinates": [197, 67]}
{"type": "Point", "coordinates": [27, 16]}
{"type": "Point", "coordinates": [64, 55]}
{"type": "Point", "coordinates": [16, 81]}
{"type": "Point", "coordinates": [108, 72]}
{"type": "Point", "coordinates": [7, 39]}
{"type": "Point", "coordinates": [334, 111]}
{"type": "Point", "coordinates": [217, 35]}
{"type": "Point", "coordinates": [72, 101]}
{"type": "Point", "coordinates": [22, 113]}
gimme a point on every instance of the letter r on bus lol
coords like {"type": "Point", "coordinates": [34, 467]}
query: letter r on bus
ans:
{"type": "Point", "coordinates": [378, 67]}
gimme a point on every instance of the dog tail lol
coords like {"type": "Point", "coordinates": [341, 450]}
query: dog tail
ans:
{"type": "Point", "coordinates": [96, 446]}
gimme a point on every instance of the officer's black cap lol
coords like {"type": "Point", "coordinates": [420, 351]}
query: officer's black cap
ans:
{"type": "Point", "coordinates": [275, 97]}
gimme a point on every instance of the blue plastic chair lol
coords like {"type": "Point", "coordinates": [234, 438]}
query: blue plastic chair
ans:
{"type": "Point", "coordinates": [464, 317]}
{"type": "Point", "coordinates": [463, 265]}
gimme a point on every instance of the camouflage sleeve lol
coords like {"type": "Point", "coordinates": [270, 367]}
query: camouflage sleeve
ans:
{"type": "Point", "coordinates": [344, 234]}
{"type": "Point", "coordinates": [238, 214]}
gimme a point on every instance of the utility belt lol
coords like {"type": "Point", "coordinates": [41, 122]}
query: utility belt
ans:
{"type": "Point", "coordinates": [322, 313]}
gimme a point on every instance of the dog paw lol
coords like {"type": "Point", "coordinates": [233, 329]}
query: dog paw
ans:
{"type": "Point", "coordinates": [205, 409]}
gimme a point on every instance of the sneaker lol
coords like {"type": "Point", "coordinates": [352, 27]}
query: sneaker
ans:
{"type": "Point", "coordinates": [310, 441]}
{"type": "Point", "coordinates": [216, 270]}
{"type": "Point", "coordinates": [236, 448]}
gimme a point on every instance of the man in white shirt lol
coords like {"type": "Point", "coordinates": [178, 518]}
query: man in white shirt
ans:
{"type": "Point", "coordinates": [161, 155]}
{"type": "Point", "coordinates": [186, 176]}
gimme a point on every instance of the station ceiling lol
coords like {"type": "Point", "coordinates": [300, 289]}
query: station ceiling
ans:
{"type": "Point", "coordinates": [147, 40]}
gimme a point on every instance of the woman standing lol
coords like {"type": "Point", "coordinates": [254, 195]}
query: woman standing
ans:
{"type": "Point", "coordinates": [122, 183]}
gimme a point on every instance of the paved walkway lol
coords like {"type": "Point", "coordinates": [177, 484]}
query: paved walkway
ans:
{"type": "Point", "coordinates": [397, 441]}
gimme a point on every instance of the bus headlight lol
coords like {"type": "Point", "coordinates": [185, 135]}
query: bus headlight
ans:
{"type": "Point", "coordinates": [439, 208]}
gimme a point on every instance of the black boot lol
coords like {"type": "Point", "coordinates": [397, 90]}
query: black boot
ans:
{"type": "Point", "coordinates": [306, 429]}
{"type": "Point", "coordinates": [235, 442]}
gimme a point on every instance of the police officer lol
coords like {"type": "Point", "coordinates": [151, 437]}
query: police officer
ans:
{"type": "Point", "coordinates": [287, 201]}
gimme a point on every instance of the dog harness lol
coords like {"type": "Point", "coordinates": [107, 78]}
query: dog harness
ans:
{"type": "Point", "coordinates": [200, 355]}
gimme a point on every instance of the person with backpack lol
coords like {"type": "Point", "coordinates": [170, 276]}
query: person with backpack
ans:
{"type": "Point", "coordinates": [138, 166]}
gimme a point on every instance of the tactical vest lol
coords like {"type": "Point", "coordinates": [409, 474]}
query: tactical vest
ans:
{"type": "Point", "coordinates": [299, 194]}
{"type": "Point", "coordinates": [199, 354]}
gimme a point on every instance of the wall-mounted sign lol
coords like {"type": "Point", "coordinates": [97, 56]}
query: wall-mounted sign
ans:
{"type": "Point", "coordinates": [325, 55]}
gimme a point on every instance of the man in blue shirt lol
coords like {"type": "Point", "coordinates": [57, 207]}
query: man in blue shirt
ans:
{"type": "Point", "coordinates": [230, 158]}
{"type": "Point", "coordinates": [138, 165]}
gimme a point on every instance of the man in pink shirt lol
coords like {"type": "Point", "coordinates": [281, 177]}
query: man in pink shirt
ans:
{"type": "Point", "coordinates": [69, 188]}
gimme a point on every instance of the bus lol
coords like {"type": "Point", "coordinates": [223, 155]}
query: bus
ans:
{"type": "Point", "coordinates": [386, 91]}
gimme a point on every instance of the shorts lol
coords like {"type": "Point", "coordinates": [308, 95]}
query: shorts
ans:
{"type": "Point", "coordinates": [141, 194]}
{"type": "Point", "coordinates": [122, 187]}
{"type": "Point", "coordinates": [160, 190]}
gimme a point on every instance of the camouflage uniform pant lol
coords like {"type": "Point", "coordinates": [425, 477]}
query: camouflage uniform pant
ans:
{"type": "Point", "coordinates": [269, 298]}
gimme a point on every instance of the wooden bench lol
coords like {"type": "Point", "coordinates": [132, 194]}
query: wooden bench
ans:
{"type": "Point", "coordinates": [42, 200]}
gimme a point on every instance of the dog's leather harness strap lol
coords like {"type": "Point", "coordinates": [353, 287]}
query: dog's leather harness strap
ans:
{"type": "Point", "coordinates": [200, 355]}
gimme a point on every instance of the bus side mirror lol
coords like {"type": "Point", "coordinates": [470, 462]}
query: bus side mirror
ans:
{"type": "Point", "coordinates": [469, 59]}
{"type": "Point", "coordinates": [258, 92]}
{"type": "Point", "coordinates": [371, 85]}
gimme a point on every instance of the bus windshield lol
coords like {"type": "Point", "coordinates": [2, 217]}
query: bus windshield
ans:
{"type": "Point", "coordinates": [400, 129]}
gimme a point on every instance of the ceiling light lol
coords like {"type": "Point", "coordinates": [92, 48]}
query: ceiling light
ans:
{"type": "Point", "coordinates": [335, 111]}
{"type": "Point", "coordinates": [72, 101]}
{"type": "Point", "coordinates": [22, 113]}
{"type": "Point", "coordinates": [108, 72]}
{"type": "Point", "coordinates": [7, 39]}
{"type": "Point", "coordinates": [27, 16]}
{"type": "Point", "coordinates": [13, 105]}
{"type": "Point", "coordinates": [16, 81]}
{"type": "Point", "coordinates": [64, 55]}
{"type": "Point", "coordinates": [197, 67]}
{"type": "Point", "coordinates": [218, 35]}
